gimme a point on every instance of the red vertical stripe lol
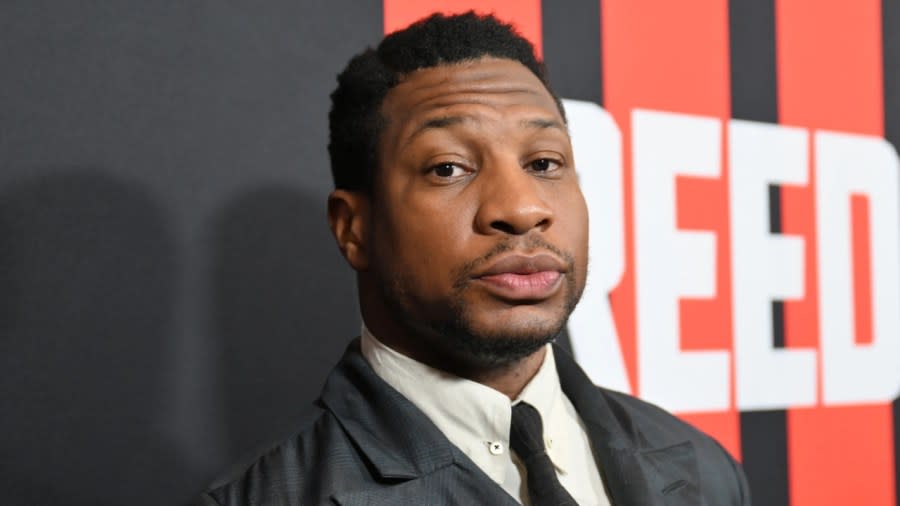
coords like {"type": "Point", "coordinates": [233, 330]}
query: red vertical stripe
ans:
{"type": "Point", "coordinates": [841, 455]}
{"type": "Point", "coordinates": [862, 269]}
{"type": "Point", "coordinates": [525, 15]}
{"type": "Point", "coordinates": [660, 55]}
{"type": "Point", "coordinates": [829, 76]}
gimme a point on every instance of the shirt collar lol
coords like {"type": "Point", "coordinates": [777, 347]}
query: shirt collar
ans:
{"type": "Point", "coordinates": [472, 415]}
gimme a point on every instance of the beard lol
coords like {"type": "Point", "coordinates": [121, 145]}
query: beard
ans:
{"type": "Point", "coordinates": [450, 327]}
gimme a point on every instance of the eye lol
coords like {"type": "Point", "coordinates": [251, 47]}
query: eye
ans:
{"type": "Point", "coordinates": [544, 165]}
{"type": "Point", "coordinates": [447, 170]}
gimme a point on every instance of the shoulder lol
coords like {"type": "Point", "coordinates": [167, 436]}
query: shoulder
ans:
{"type": "Point", "coordinates": [656, 424]}
{"type": "Point", "coordinates": [306, 468]}
{"type": "Point", "coordinates": [660, 429]}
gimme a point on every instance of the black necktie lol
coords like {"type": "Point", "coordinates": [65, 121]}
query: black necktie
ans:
{"type": "Point", "coordinates": [526, 437]}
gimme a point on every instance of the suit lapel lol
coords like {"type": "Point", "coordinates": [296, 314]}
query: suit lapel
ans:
{"type": "Point", "coordinates": [380, 421]}
{"type": "Point", "coordinates": [409, 456]}
{"type": "Point", "coordinates": [635, 472]}
{"type": "Point", "coordinates": [453, 485]}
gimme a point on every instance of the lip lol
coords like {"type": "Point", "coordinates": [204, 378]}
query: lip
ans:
{"type": "Point", "coordinates": [521, 278]}
{"type": "Point", "coordinates": [523, 264]}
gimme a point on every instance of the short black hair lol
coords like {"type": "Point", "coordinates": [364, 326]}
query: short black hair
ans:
{"type": "Point", "coordinates": [355, 120]}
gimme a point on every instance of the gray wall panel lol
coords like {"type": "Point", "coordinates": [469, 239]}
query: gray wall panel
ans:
{"type": "Point", "coordinates": [170, 295]}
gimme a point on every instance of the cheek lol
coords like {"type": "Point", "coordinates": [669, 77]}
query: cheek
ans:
{"type": "Point", "coordinates": [584, 221]}
{"type": "Point", "coordinates": [436, 221]}
{"type": "Point", "coordinates": [421, 244]}
{"type": "Point", "coordinates": [572, 215]}
{"type": "Point", "coordinates": [573, 227]}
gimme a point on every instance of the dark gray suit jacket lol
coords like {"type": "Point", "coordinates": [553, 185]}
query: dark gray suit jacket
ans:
{"type": "Point", "coordinates": [371, 446]}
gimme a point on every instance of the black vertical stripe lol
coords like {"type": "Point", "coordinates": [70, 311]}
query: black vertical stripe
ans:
{"type": "Point", "coordinates": [777, 324]}
{"type": "Point", "coordinates": [774, 209]}
{"type": "Point", "coordinates": [571, 34]}
{"type": "Point", "coordinates": [754, 97]}
{"type": "Point", "coordinates": [890, 20]}
{"type": "Point", "coordinates": [764, 449]}
{"type": "Point", "coordinates": [751, 28]}
{"type": "Point", "coordinates": [775, 228]}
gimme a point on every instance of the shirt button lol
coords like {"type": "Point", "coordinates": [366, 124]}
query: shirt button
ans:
{"type": "Point", "coordinates": [495, 448]}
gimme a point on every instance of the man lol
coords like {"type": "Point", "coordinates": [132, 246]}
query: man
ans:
{"type": "Point", "coordinates": [457, 203]}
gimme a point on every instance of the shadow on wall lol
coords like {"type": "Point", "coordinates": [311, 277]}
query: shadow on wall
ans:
{"type": "Point", "coordinates": [87, 272]}
{"type": "Point", "coordinates": [89, 276]}
{"type": "Point", "coordinates": [284, 310]}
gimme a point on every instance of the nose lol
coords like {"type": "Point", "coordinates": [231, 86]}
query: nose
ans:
{"type": "Point", "coordinates": [512, 201]}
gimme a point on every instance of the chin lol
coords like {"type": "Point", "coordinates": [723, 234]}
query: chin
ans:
{"type": "Point", "coordinates": [502, 350]}
{"type": "Point", "coordinates": [500, 343]}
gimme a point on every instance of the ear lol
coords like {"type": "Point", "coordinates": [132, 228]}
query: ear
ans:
{"type": "Point", "coordinates": [349, 218]}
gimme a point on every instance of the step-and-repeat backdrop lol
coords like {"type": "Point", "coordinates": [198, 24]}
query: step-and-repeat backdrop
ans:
{"type": "Point", "coordinates": [170, 298]}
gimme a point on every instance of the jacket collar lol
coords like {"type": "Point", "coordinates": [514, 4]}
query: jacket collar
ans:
{"type": "Point", "coordinates": [380, 421]}
{"type": "Point", "coordinates": [402, 446]}
{"type": "Point", "coordinates": [635, 471]}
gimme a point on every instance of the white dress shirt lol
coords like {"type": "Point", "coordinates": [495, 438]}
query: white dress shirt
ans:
{"type": "Point", "coordinates": [476, 418]}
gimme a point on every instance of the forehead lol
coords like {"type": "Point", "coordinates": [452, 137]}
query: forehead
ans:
{"type": "Point", "coordinates": [485, 87]}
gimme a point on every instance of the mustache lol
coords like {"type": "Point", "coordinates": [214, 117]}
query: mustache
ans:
{"type": "Point", "coordinates": [530, 243]}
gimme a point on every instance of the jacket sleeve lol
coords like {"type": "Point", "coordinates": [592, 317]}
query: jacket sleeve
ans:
{"type": "Point", "coordinates": [743, 488]}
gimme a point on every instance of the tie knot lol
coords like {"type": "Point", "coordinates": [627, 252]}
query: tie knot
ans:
{"type": "Point", "coordinates": [526, 438]}
{"type": "Point", "coordinates": [526, 433]}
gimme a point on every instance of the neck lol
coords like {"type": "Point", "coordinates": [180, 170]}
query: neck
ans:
{"type": "Point", "coordinates": [507, 378]}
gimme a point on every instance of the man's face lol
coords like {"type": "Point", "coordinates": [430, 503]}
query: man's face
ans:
{"type": "Point", "coordinates": [478, 226]}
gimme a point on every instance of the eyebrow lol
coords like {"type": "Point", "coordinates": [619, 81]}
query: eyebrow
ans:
{"type": "Point", "coordinates": [543, 123]}
{"type": "Point", "coordinates": [449, 121]}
